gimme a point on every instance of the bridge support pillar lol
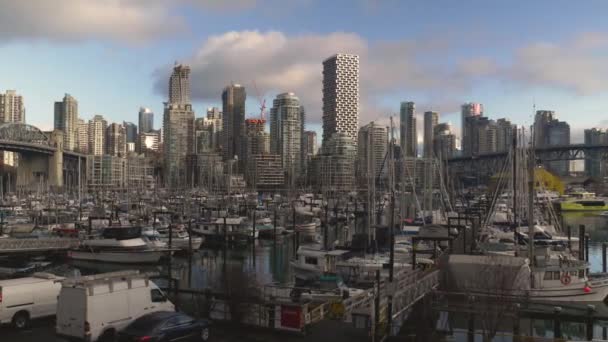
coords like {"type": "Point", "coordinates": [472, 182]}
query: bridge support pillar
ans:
{"type": "Point", "coordinates": [33, 172]}
{"type": "Point", "coordinates": [56, 161]}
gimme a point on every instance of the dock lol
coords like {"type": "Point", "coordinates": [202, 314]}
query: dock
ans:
{"type": "Point", "coordinates": [33, 245]}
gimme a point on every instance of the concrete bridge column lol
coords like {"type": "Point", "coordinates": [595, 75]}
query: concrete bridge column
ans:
{"type": "Point", "coordinates": [33, 171]}
{"type": "Point", "coordinates": [56, 161]}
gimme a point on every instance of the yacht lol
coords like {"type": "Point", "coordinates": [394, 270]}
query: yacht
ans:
{"type": "Point", "coordinates": [179, 239]}
{"type": "Point", "coordinates": [118, 245]}
{"type": "Point", "coordinates": [584, 201]}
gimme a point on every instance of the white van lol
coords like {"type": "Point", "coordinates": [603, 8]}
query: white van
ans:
{"type": "Point", "coordinates": [95, 308]}
{"type": "Point", "coordinates": [28, 298]}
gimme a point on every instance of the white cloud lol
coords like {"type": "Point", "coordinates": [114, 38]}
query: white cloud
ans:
{"type": "Point", "coordinates": [279, 63]}
{"type": "Point", "coordinates": [131, 21]}
{"type": "Point", "coordinates": [578, 64]}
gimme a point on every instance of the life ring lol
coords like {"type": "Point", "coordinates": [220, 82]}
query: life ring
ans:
{"type": "Point", "coordinates": [566, 279]}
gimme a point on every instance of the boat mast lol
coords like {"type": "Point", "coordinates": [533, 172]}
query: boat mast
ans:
{"type": "Point", "coordinates": [531, 164]}
{"type": "Point", "coordinates": [514, 190]}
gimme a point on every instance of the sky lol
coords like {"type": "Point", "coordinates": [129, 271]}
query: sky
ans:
{"type": "Point", "coordinates": [114, 56]}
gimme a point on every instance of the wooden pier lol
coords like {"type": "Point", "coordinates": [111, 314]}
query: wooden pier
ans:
{"type": "Point", "coordinates": [33, 245]}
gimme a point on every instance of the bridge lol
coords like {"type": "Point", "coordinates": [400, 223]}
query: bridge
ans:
{"type": "Point", "coordinates": [491, 163]}
{"type": "Point", "coordinates": [41, 158]}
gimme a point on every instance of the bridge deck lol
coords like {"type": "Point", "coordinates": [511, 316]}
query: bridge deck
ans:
{"type": "Point", "coordinates": [13, 246]}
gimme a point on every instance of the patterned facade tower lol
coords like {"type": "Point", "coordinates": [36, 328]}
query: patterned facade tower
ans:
{"type": "Point", "coordinates": [341, 96]}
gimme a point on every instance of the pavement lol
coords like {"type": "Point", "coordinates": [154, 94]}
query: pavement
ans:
{"type": "Point", "coordinates": [325, 331]}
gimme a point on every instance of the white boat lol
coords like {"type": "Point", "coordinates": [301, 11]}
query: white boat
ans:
{"type": "Point", "coordinates": [311, 262]}
{"type": "Point", "coordinates": [556, 277]}
{"type": "Point", "coordinates": [180, 238]}
{"type": "Point", "coordinates": [118, 245]}
{"type": "Point", "coordinates": [604, 213]}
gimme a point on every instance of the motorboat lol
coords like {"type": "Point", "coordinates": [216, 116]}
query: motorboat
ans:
{"type": "Point", "coordinates": [180, 238]}
{"type": "Point", "coordinates": [119, 245]}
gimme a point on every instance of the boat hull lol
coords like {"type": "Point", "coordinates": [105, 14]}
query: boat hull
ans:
{"type": "Point", "coordinates": [140, 257]}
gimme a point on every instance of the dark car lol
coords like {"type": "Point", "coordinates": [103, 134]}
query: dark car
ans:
{"type": "Point", "coordinates": [165, 326]}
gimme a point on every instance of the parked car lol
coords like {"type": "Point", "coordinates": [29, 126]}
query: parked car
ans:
{"type": "Point", "coordinates": [27, 298]}
{"type": "Point", "coordinates": [165, 326]}
{"type": "Point", "coordinates": [96, 308]}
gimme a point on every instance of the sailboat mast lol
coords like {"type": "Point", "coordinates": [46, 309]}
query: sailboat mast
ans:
{"type": "Point", "coordinates": [514, 185]}
{"type": "Point", "coordinates": [531, 164]}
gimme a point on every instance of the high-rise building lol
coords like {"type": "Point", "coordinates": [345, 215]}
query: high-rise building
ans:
{"type": "Point", "coordinates": [130, 131]}
{"type": "Point", "coordinates": [341, 96]}
{"type": "Point", "coordinates": [336, 164]}
{"type": "Point", "coordinates": [595, 166]}
{"type": "Point", "coordinates": [371, 152]}
{"type": "Point", "coordinates": [12, 108]}
{"type": "Point", "coordinates": [549, 131]}
{"type": "Point", "coordinates": [83, 136]}
{"type": "Point", "coordinates": [116, 140]}
{"type": "Point", "coordinates": [469, 113]}
{"type": "Point", "coordinates": [178, 127]}
{"type": "Point", "coordinates": [149, 142]}
{"type": "Point", "coordinates": [444, 141]}
{"type": "Point", "coordinates": [310, 143]}
{"type": "Point", "coordinates": [178, 141]}
{"type": "Point", "coordinates": [431, 119]}
{"type": "Point", "coordinates": [286, 133]}
{"type": "Point", "coordinates": [409, 139]}
{"type": "Point", "coordinates": [214, 116]}
{"type": "Point", "coordinates": [265, 172]}
{"type": "Point", "coordinates": [258, 141]}
{"type": "Point", "coordinates": [233, 122]}
{"type": "Point", "coordinates": [97, 135]}
{"type": "Point", "coordinates": [179, 85]}
{"type": "Point", "coordinates": [146, 120]}
{"type": "Point", "coordinates": [504, 135]}
{"type": "Point", "coordinates": [66, 120]}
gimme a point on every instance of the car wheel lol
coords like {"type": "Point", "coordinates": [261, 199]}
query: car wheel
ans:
{"type": "Point", "coordinates": [21, 320]}
{"type": "Point", "coordinates": [205, 334]}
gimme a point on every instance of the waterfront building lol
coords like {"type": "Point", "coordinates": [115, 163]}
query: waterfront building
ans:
{"type": "Point", "coordinates": [371, 153]}
{"type": "Point", "coordinates": [105, 172]}
{"type": "Point", "coordinates": [116, 143]}
{"type": "Point", "coordinates": [470, 112]}
{"type": "Point", "coordinates": [595, 166]}
{"type": "Point", "coordinates": [549, 131]}
{"type": "Point", "coordinates": [12, 109]}
{"type": "Point", "coordinates": [179, 85]}
{"type": "Point", "coordinates": [431, 119]}
{"type": "Point", "coordinates": [146, 120]}
{"type": "Point", "coordinates": [97, 135]}
{"type": "Point", "coordinates": [215, 119]}
{"type": "Point", "coordinates": [408, 132]}
{"type": "Point", "coordinates": [336, 164]}
{"type": "Point", "coordinates": [66, 120]}
{"type": "Point", "coordinates": [265, 172]}
{"type": "Point", "coordinates": [207, 170]}
{"type": "Point", "coordinates": [149, 142]}
{"type": "Point", "coordinates": [286, 133]}
{"type": "Point", "coordinates": [233, 122]}
{"type": "Point", "coordinates": [178, 127]}
{"type": "Point", "coordinates": [341, 96]}
{"type": "Point", "coordinates": [139, 172]}
{"type": "Point", "coordinates": [444, 141]}
{"type": "Point", "coordinates": [83, 136]}
{"type": "Point", "coordinates": [130, 131]}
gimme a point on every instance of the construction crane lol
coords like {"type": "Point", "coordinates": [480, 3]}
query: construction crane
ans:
{"type": "Point", "coordinates": [262, 102]}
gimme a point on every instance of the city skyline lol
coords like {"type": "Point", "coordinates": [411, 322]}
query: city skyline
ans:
{"type": "Point", "coordinates": [492, 68]}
